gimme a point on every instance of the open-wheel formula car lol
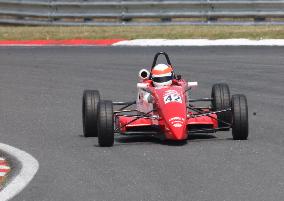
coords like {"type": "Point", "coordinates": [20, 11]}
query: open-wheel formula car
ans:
{"type": "Point", "coordinates": [167, 112]}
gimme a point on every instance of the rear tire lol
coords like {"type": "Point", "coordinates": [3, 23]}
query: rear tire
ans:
{"type": "Point", "coordinates": [90, 101]}
{"type": "Point", "coordinates": [105, 124]}
{"type": "Point", "coordinates": [239, 117]}
{"type": "Point", "coordinates": [221, 100]}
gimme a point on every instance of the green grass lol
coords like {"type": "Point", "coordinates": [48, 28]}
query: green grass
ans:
{"type": "Point", "coordinates": [136, 32]}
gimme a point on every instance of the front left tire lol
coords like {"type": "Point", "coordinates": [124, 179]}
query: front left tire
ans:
{"type": "Point", "coordinates": [90, 101]}
{"type": "Point", "coordinates": [240, 127]}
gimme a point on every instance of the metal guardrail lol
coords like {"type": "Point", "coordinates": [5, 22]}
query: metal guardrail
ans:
{"type": "Point", "coordinates": [90, 12]}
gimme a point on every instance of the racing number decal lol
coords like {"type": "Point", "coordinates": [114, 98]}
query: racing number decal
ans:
{"type": "Point", "coordinates": [172, 98]}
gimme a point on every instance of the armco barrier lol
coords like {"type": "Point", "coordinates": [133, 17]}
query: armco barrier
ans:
{"type": "Point", "coordinates": [90, 12]}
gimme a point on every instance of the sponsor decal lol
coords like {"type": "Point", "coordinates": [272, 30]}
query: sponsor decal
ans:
{"type": "Point", "coordinates": [177, 125]}
{"type": "Point", "coordinates": [177, 121]}
{"type": "Point", "coordinates": [172, 96]}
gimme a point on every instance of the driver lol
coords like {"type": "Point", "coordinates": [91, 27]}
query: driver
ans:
{"type": "Point", "coordinates": [162, 75]}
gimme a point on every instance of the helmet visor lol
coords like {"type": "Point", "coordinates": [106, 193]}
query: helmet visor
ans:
{"type": "Point", "coordinates": [162, 79]}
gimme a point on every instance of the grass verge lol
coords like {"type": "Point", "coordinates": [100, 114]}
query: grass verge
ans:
{"type": "Point", "coordinates": [136, 32]}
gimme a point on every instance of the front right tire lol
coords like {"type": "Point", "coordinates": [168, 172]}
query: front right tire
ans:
{"type": "Point", "coordinates": [239, 117]}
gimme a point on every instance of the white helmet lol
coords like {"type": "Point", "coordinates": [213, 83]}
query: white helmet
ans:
{"type": "Point", "coordinates": [162, 75]}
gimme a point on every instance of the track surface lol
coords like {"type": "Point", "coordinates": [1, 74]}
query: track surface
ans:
{"type": "Point", "coordinates": [41, 91]}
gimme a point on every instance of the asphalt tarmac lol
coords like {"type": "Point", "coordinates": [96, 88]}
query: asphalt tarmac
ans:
{"type": "Point", "coordinates": [40, 112]}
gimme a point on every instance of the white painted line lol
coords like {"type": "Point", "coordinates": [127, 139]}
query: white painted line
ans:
{"type": "Point", "coordinates": [28, 170]}
{"type": "Point", "coordinates": [201, 42]}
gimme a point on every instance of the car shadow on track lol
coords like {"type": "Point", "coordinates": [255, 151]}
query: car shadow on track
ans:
{"type": "Point", "coordinates": [201, 137]}
{"type": "Point", "coordinates": [155, 140]}
{"type": "Point", "coordinates": [137, 140]}
{"type": "Point", "coordinates": [206, 137]}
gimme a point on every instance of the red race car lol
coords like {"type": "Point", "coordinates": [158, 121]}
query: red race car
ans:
{"type": "Point", "coordinates": [165, 109]}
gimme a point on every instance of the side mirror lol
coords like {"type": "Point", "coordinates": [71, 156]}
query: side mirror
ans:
{"type": "Point", "coordinates": [192, 84]}
{"type": "Point", "coordinates": [144, 74]}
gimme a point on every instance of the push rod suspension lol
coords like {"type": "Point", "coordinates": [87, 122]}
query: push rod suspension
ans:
{"type": "Point", "coordinates": [123, 103]}
{"type": "Point", "coordinates": [200, 99]}
{"type": "Point", "coordinates": [127, 104]}
{"type": "Point", "coordinates": [122, 111]}
{"type": "Point", "coordinates": [201, 113]}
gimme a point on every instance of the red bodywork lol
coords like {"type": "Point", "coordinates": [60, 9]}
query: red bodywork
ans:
{"type": "Point", "coordinates": [173, 118]}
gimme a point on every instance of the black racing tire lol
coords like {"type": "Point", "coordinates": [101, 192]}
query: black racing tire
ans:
{"type": "Point", "coordinates": [221, 100]}
{"type": "Point", "coordinates": [105, 124]}
{"type": "Point", "coordinates": [91, 99]}
{"type": "Point", "coordinates": [240, 126]}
